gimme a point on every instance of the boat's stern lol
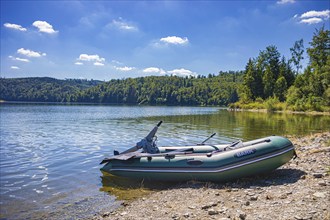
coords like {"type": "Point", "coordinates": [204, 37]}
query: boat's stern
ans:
{"type": "Point", "coordinates": [107, 167]}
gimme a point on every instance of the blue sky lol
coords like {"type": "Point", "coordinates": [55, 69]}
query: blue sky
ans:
{"type": "Point", "coordinates": [118, 39]}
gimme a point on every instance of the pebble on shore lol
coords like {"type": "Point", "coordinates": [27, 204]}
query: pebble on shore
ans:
{"type": "Point", "coordinates": [298, 190]}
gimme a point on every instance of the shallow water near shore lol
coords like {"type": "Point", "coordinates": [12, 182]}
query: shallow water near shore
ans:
{"type": "Point", "coordinates": [50, 154]}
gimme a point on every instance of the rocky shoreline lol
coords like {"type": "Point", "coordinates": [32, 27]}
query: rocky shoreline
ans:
{"type": "Point", "coordinates": [298, 190]}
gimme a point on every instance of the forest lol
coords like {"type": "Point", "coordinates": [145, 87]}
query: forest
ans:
{"type": "Point", "coordinates": [151, 90]}
{"type": "Point", "coordinates": [274, 83]}
{"type": "Point", "coordinates": [41, 89]}
{"type": "Point", "coordinates": [270, 81]}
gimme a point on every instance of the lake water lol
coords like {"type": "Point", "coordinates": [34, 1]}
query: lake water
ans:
{"type": "Point", "coordinates": [50, 154]}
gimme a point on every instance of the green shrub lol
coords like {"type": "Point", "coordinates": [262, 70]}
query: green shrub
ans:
{"type": "Point", "coordinates": [271, 103]}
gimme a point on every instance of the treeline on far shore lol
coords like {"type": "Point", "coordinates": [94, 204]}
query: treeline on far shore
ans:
{"type": "Point", "coordinates": [150, 90]}
{"type": "Point", "coordinates": [270, 81]}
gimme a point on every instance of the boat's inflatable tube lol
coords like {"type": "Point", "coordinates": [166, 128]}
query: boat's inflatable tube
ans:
{"type": "Point", "coordinates": [205, 162]}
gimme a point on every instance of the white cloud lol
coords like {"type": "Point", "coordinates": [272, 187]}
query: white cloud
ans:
{"type": "Point", "coordinates": [125, 68]}
{"type": "Point", "coordinates": [95, 57]}
{"type": "Point", "coordinates": [122, 25]}
{"type": "Point", "coordinates": [15, 26]}
{"type": "Point", "coordinates": [14, 67]}
{"type": "Point", "coordinates": [175, 72]}
{"type": "Point", "coordinates": [98, 64]}
{"type": "Point", "coordinates": [117, 62]}
{"type": "Point", "coordinates": [182, 72]}
{"type": "Point", "coordinates": [311, 20]}
{"type": "Point", "coordinates": [45, 27]}
{"type": "Point", "coordinates": [321, 14]}
{"type": "Point", "coordinates": [30, 53]}
{"type": "Point", "coordinates": [22, 59]}
{"type": "Point", "coordinates": [313, 17]}
{"type": "Point", "coordinates": [174, 40]}
{"type": "Point", "coordinates": [154, 70]}
{"type": "Point", "coordinates": [282, 2]}
{"type": "Point", "coordinates": [19, 59]}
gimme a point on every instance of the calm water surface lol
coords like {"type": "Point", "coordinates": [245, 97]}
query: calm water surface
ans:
{"type": "Point", "coordinates": [50, 154]}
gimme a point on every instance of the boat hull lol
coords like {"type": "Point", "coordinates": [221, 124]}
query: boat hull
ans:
{"type": "Point", "coordinates": [254, 157]}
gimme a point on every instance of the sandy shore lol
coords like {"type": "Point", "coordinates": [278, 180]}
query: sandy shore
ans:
{"type": "Point", "coordinates": [298, 190]}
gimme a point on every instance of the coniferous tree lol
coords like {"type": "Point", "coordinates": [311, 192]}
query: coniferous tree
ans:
{"type": "Point", "coordinates": [320, 48]}
{"type": "Point", "coordinates": [311, 89]}
{"type": "Point", "coordinates": [286, 72]}
{"type": "Point", "coordinates": [249, 83]}
{"type": "Point", "coordinates": [280, 88]}
{"type": "Point", "coordinates": [297, 52]}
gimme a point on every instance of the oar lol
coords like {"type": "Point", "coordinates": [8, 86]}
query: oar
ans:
{"type": "Point", "coordinates": [207, 139]}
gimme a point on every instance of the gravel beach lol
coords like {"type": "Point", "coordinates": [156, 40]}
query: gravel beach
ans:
{"type": "Point", "coordinates": [298, 190]}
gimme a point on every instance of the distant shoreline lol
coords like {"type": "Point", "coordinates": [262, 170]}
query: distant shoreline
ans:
{"type": "Point", "coordinates": [283, 111]}
{"type": "Point", "coordinates": [118, 104]}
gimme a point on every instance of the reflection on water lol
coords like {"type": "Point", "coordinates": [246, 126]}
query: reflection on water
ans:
{"type": "Point", "coordinates": [50, 154]}
{"type": "Point", "coordinates": [128, 189]}
{"type": "Point", "coordinates": [251, 125]}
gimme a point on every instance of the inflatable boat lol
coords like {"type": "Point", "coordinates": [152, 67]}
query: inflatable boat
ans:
{"type": "Point", "coordinates": [202, 162]}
